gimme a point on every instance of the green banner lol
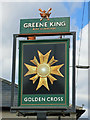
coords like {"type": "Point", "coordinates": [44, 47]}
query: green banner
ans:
{"type": "Point", "coordinates": [44, 73]}
{"type": "Point", "coordinates": [54, 25]}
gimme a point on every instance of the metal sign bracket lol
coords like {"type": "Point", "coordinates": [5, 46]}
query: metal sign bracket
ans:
{"type": "Point", "coordinates": [40, 113]}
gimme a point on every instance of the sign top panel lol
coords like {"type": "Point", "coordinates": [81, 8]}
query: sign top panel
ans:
{"type": "Point", "coordinates": [54, 25]}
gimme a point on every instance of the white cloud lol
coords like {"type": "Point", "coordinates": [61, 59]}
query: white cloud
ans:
{"type": "Point", "coordinates": [13, 12]}
{"type": "Point", "coordinates": [82, 80]}
{"type": "Point", "coordinates": [84, 47]}
{"type": "Point", "coordinates": [6, 62]}
{"type": "Point", "coordinates": [74, 5]}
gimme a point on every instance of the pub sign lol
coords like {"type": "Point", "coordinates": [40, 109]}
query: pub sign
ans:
{"type": "Point", "coordinates": [44, 73]}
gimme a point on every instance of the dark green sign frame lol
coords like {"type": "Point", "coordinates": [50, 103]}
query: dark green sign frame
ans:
{"type": "Point", "coordinates": [54, 25]}
{"type": "Point", "coordinates": [28, 100]}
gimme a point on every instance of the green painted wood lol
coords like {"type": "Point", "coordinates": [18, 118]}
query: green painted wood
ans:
{"type": "Point", "coordinates": [54, 25]}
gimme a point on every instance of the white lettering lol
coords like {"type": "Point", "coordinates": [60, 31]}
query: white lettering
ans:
{"type": "Point", "coordinates": [29, 25]}
{"type": "Point", "coordinates": [25, 25]}
{"type": "Point", "coordinates": [45, 24]}
{"type": "Point", "coordinates": [61, 98]}
{"type": "Point", "coordinates": [51, 24]}
{"type": "Point", "coordinates": [39, 99]}
{"type": "Point", "coordinates": [55, 98]}
{"type": "Point", "coordinates": [35, 99]}
{"type": "Point", "coordinates": [33, 24]}
{"type": "Point", "coordinates": [56, 24]}
{"type": "Point", "coordinates": [29, 99]}
{"type": "Point", "coordinates": [37, 24]}
{"type": "Point", "coordinates": [51, 98]}
{"type": "Point", "coordinates": [43, 98]}
{"type": "Point", "coordinates": [48, 98]}
{"type": "Point", "coordinates": [25, 99]}
{"type": "Point", "coordinates": [40, 25]}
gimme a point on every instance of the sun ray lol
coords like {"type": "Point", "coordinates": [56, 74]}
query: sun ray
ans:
{"type": "Point", "coordinates": [34, 78]}
{"type": "Point", "coordinates": [43, 58]}
{"type": "Point", "coordinates": [52, 61]}
{"type": "Point", "coordinates": [42, 82]}
{"type": "Point", "coordinates": [51, 78]}
{"type": "Point", "coordinates": [31, 69]}
{"type": "Point", "coordinates": [55, 70]}
{"type": "Point", "coordinates": [35, 61]}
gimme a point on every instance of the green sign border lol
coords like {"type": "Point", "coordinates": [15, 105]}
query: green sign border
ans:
{"type": "Point", "coordinates": [55, 28]}
{"type": "Point", "coordinates": [48, 105]}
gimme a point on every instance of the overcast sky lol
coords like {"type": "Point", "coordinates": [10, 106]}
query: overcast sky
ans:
{"type": "Point", "coordinates": [12, 12]}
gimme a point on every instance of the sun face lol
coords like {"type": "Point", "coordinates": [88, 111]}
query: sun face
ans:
{"type": "Point", "coordinates": [43, 70]}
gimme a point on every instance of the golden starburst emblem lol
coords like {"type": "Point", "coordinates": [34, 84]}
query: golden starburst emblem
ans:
{"type": "Point", "coordinates": [43, 70]}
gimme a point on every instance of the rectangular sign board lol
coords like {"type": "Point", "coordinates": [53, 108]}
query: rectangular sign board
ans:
{"type": "Point", "coordinates": [44, 73]}
{"type": "Point", "coordinates": [54, 25]}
